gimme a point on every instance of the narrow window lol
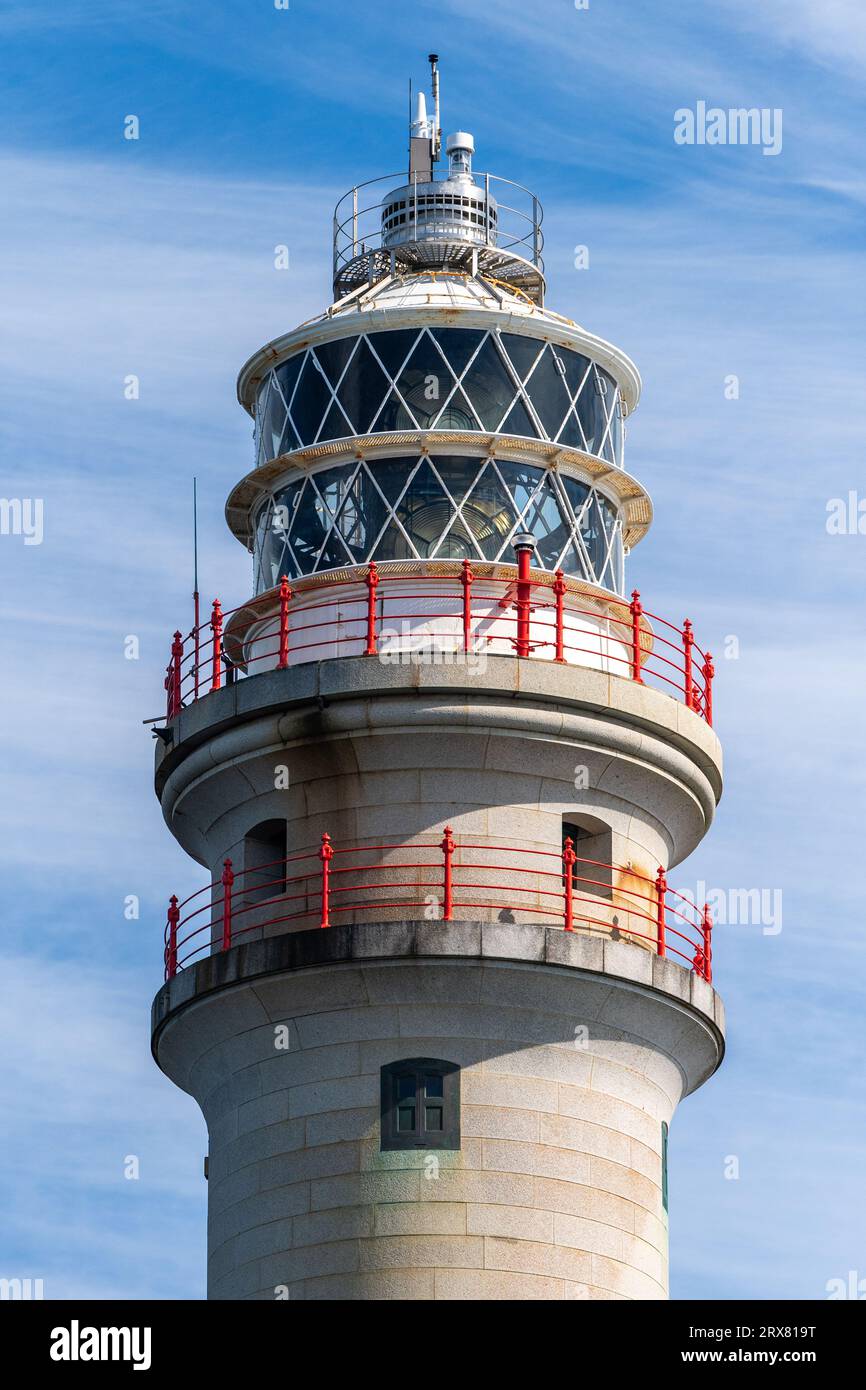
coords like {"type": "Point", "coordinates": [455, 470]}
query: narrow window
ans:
{"type": "Point", "coordinates": [421, 1104]}
{"type": "Point", "coordinates": [664, 1165]}
{"type": "Point", "coordinates": [264, 861]}
{"type": "Point", "coordinates": [592, 843]}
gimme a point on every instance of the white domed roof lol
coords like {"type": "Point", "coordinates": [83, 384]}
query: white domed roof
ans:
{"type": "Point", "coordinates": [451, 299]}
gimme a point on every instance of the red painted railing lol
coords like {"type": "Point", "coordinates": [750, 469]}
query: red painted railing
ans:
{"type": "Point", "coordinates": [527, 613]}
{"type": "Point", "coordinates": [444, 880]}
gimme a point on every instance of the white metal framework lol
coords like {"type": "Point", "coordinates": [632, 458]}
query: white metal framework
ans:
{"type": "Point", "coordinates": [436, 506]}
{"type": "Point", "coordinates": [440, 378]}
{"type": "Point", "coordinates": [479, 222]}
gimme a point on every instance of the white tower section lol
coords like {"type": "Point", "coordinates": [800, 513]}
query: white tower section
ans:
{"type": "Point", "coordinates": [422, 128]}
{"type": "Point", "coordinates": [437, 1001]}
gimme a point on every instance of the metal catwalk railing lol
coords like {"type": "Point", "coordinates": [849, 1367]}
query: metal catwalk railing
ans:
{"type": "Point", "coordinates": [445, 880]}
{"type": "Point", "coordinates": [534, 614]}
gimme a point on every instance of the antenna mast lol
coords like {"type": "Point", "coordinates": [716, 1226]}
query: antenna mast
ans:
{"type": "Point", "coordinates": [433, 60]}
{"type": "Point", "coordinates": [195, 620]}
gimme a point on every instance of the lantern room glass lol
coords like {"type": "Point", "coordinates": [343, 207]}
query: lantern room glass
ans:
{"type": "Point", "coordinates": [439, 378]}
{"type": "Point", "coordinates": [437, 507]}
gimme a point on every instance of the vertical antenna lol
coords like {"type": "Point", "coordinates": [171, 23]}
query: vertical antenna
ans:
{"type": "Point", "coordinates": [195, 580]}
{"type": "Point", "coordinates": [433, 60]}
{"type": "Point", "coordinates": [410, 122]}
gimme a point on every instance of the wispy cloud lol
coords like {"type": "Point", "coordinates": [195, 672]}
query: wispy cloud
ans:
{"type": "Point", "coordinates": [832, 33]}
{"type": "Point", "coordinates": [81, 1098]}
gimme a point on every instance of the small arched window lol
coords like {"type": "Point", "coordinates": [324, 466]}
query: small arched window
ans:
{"type": "Point", "coordinates": [592, 842]}
{"type": "Point", "coordinates": [421, 1104]}
{"type": "Point", "coordinates": [264, 861]}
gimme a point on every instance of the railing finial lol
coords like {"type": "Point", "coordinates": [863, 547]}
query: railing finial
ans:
{"type": "Point", "coordinates": [285, 595]}
{"type": "Point", "coordinates": [466, 578]}
{"type": "Point", "coordinates": [559, 595]}
{"type": "Point", "coordinates": [447, 848]}
{"type": "Point", "coordinates": [372, 583]}
{"type": "Point", "coordinates": [661, 891]}
{"type": "Point", "coordinates": [707, 926]}
{"type": "Point", "coordinates": [171, 950]}
{"type": "Point", "coordinates": [688, 643]}
{"type": "Point", "coordinates": [636, 609]}
{"type": "Point", "coordinates": [569, 859]}
{"type": "Point", "coordinates": [173, 680]}
{"type": "Point", "coordinates": [216, 626]}
{"type": "Point", "coordinates": [326, 854]}
{"type": "Point", "coordinates": [227, 880]}
{"type": "Point", "coordinates": [708, 672]}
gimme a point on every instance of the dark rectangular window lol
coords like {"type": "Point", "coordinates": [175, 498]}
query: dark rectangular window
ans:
{"type": "Point", "coordinates": [664, 1165]}
{"type": "Point", "coordinates": [264, 862]}
{"type": "Point", "coordinates": [421, 1104]}
{"type": "Point", "coordinates": [594, 849]}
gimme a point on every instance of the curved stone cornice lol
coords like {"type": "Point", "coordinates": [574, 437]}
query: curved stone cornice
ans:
{"type": "Point", "coordinates": [656, 1000]}
{"type": "Point", "coordinates": [640, 728]}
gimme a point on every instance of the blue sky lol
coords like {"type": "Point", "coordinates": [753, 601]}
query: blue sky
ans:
{"type": "Point", "coordinates": [155, 258]}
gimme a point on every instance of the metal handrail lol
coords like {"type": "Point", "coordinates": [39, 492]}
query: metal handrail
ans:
{"type": "Point", "coordinates": [356, 233]}
{"type": "Point", "coordinates": [533, 613]}
{"type": "Point", "coordinates": [632, 906]}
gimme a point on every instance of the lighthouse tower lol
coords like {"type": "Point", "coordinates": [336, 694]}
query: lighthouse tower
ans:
{"type": "Point", "coordinates": [438, 1002]}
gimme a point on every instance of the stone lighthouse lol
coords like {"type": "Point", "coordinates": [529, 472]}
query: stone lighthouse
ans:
{"type": "Point", "coordinates": [437, 1000]}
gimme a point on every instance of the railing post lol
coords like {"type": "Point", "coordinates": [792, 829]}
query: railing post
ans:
{"type": "Point", "coordinates": [196, 636]}
{"type": "Point", "coordinates": [559, 594]}
{"type": "Point", "coordinates": [285, 595]}
{"type": "Point", "coordinates": [326, 854]}
{"type": "Point", "coordinates": [708, 671]}
{"type": "Point", "coordinates": [171, 956]}
{"type": "Point", "coordinates": [228, 879]}
{"type": "Point", "coordinates": [708, 944]}
{"type": "Point", "coordinates": [447, 848]}
{"type": "Point", "coordinates": [568, 861]}
{"type": "Point", "coordinates": [661, 890]}
{"type": "Point", "coordinates": [688, 643]}
{"type": "Point", "coordinates": [523, 544]}
{"type": "Point", "coordinates": [466, 578]}
{"type": "Point", "coordinates": [636, 610]}
{"type": "Point", "coordinates": [216, 627]}
{"type": "Point", "coordinates": [174, 676]}
{"type": "Point", "coordinates": [372, 581]}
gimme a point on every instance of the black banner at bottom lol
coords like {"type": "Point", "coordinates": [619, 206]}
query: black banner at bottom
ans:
{"type": "Point", "coordinates": [186, 1337]}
